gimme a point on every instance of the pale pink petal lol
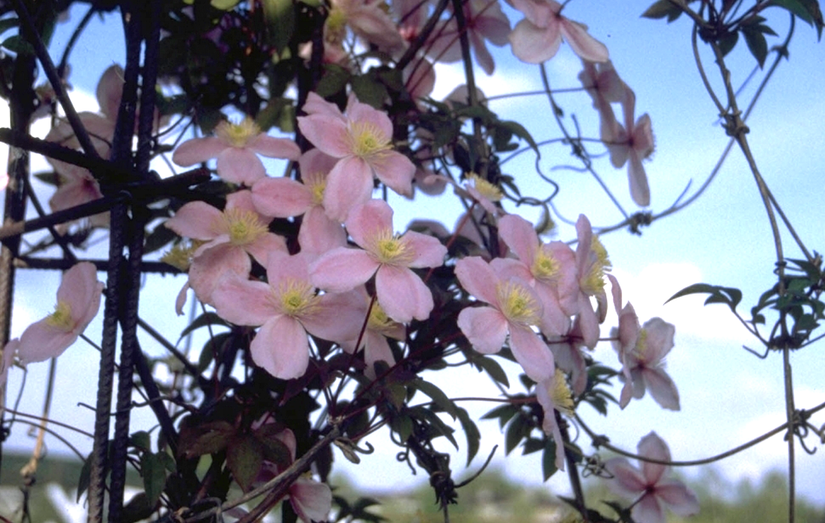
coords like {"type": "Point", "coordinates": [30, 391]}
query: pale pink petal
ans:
{"type": "Point", "coordinates": [402, 294]}
{"type": "Point", "coordinates": [349, 184]}
{"type": "Point", "coordinates": [366, 114]}
{"type": "Point", "coordinates": [81, 290]}
{"type": "Point", "coordinates": [627, 480]}
{"type": "Point", "coordinates": [369, 221]}
{"type": "Point", "coordinates": [534, 45]}
{"type": "Point", "coordinates": [110, 91]}
{"type": "Point", "coordinates": [659, 337]}
{"type": "Point", "coordinates": [281, 348]}
{"type": "Point", "coordinates": [241, 166]}
{"type": "Point", "coordinates": [395, 170]}
{"type": "Point", "coordinates": [328, 133]}
{"type": "Point", "coordinates": [541, 13]}
{"type": "Point", "coordinates": [41, 341]}
{"type": "Point", "coordinates": [198, 150]}
{"type": "Point", "coordinates": [678, 498]}
{"type": "Point", "coordinates": [549, 424]}
{"type": "Point", "coordinates": [477, 278]}
{"type": "Point", "coordinates": [315, 104]}
{"type": "Point", "coordinates": [281, 197]}
{"type": "Point", "coordinates": [661, 387]}
{"type": "Point", "coordinates": [653, 447]}
{"type": "Point", "coordinates": [272, 147]}
{"type": "Point", "coordinates": [584, 45]}
{"type": "Point", "coordinates": [429, 252]}
{"type": "Point", "coordinates": [648, 510]}
{"type": "Point", "coordinates": [262, 248]}
{"type": "Point", "coordinates": [532, 353]}
{"type": "Point", "coordinates": [520, 236]}
{"type": "Point", "coordinates": [484, 327]}
{"type": "Point", "coordinates": [342, 269]}
{"type": "Point", "coordinates": [197, 220]}
{"type": "Point", "coordinates": [180, 301]}
{"type": "Point", "coordinates": [639, 188]}
{"type": "Point", "coordinates": [310, 499]}
{"type": "Point", "coordinates": [244, 302]}
{"type": "Point", "coordinates": [319, 234]}
{"type": "Point", "coordinates": [483, 57]}
{"type": "Point", "coordinates": [339, 318]}
{"type": "Point", "coordinates": [211, 264]}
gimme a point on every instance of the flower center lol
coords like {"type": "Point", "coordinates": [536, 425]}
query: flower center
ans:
{"type": "Point", "coordinates": [237, 135]}
{"type": "Point", "coordinates": [61, 318]}
{"type": "Point", "coordinates": [545, 266]}
{"type": "Point", "coordinates": [243, 226]}
{"type": "Point", "coordinates": [367, 140]}
{"type": "Point", "coordinates": [392, 249]}
{"type": "Point", "coordinates": [561, 395]}
{"type": "Point", "coordinates": [180, 255]}
{"type": "Point", "coordinates": [297, 298]}
{"type": "Point", "coordinates": [594, 280]}
{"type": "Point", "coordinates": [517, 304]}
{"type": "Point", "coordinates": [484, 187]}
{"type": "Point", "coordinates": [335, 25]}
{"type": "Point", "coordinates": [641, 346]}
{"type": "Point", "coordinates": [379, 321]}
{"type": "Point", "coordinates": [317, 185]}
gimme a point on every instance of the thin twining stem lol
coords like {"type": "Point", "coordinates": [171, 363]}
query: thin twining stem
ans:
{"type": "Point", "coordinates": [601, 441]}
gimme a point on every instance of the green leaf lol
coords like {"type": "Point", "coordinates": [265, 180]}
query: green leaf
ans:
{"type": "Point", "coordinates": [334, 80]}
{"type": "Point", "coordinates": [663, 9]}
{"type": "Point", "coordinates": [504, 414]}
{"type": "Point", "coordinates": [757, 44]}
{"type": "Point", "coordinates": [280, 20]}
{"type": "Point", "coordinates": [402, 424]}
{"type": "Point", "coordinates": [244, 458]}
{"type": "Point", "coordinates": [728, 295]}
{"type": "Point", "coordinates": [436, 425]}
{"type": "Point", "coordinates": [18, 45]}
{"type": "Point", "coordinates": [470, 432]}
{"type": "Point", "coordinates": [153, 469]}
{"type": "Point", "coordinates": [807, 10]}
{"type": "Point", "coordinates": [207, 318]}
{"type": "Point", "coordinates": [437, 395]}
{"type": "Point", "coordinates": [205, 438]}
{"type": "Point", "coordinates": [158, 238]}
{"type": "Point", "coordinates": [548, 459]}
{"type": "Point", "coordinates": [141, 440]}
{"type": "Point", "coordinates": [493, 369]}
{"type": "Point", "coordinates": [224, 5]}
{"type": "Point", "coordinates": [520, 131]}
{"type": "Point", "coordinates": [517, 430]}
{"type": "Point", "coordinates": [728, 42]}
{"type": "Point", "coordinates": [137, 509]}
{"type": "Point", "coordinates": [369, 90]}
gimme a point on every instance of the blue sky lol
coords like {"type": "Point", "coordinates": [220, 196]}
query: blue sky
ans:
{"type": "Point", "coordinates": [728, 396]}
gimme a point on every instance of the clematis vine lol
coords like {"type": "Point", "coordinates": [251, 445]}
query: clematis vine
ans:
{"type": "Point", "coordinates": [630, 144]}
{"type": "Point", "coordinates": [236, 146]}
{"type": "Point", "coordinates": [387, 256]}
{"type": "Point", "coordinates": [229, 237]}
{"type": "Point", "coordinates": [361, 139]}
{"type": "Point", "coordinates": [644, 362]}
{"type": "Point", "coordinates": [648, 487]}
{"type": "Point", "coordinates": [514, 309]}
{"type": "Point", "coordinates": [78, 300]}
{"type": "Point", "coordinates": [591, 264]}
{"type": "Point", "coordinates": [287, 308]}
{"type": "Point", "coordinates": [538, 36]}
{"type": "Point", "coordinates": [554, 395]}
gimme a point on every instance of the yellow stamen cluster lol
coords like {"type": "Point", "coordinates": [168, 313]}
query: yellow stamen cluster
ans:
{"type": "Point", "coordinates": [367, 140]}
{"type": "Point", "coordinates": [561, 395]}
{"type": "Point", "coordinates": [485, 188]}
{"type": "Point", "coordinates": [237, 135]}
{"type": "Point", "coordinates": [243, 226]}
{"type": "Point", "coordinates": [61, 318]}
{"type": "Point", "coordinates": [594, 281]}
{"type": "Point", "coordinates": [297, 298]}
{"type": "Point", "coordinates": [517, 304]}
{"type": "Point", "coordinates": [641, 345]}
{"type": "Point", "coordinates": [335, 25]}
{"type": "Point", "coordinates": [545, 266]}
{"type": "Point", "coordinates": [180, 255]}
{"type": "Point", "coordinates": [379, 321]}
{"type": "Point", "coordinates": [392, 249]}
{"type": "Point", "coordinates": [317, 184]}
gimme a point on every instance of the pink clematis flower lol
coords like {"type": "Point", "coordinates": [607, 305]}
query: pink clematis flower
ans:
{"type": "Point", "coordinates": [591, 264]}
{"type": "Point", "coordinates": [374, 341]}
{"type": "Point", "coordinates": [287, 308]}
{"type": "Point", "coordinates": [368, 19]}
{"type": "Point", "coordinates": [77, 186]}
{"type": "Point", "coordinates": [78, 300]}
{"type": "Point", "coordinates": [484, 21]}
{"type": "Point", "coordinates": [230, 237]}
{"type": "Point", "coordinates": [645, 364]}
{"type": "Point", "coordinates": [648, 487]}
{"type": "Point", "coordinates": [631, 144]}
{"type": "Point", "coordinates": [389, 257]}
{"type": "Point", "coordinates": [284, 198]}
{"type": "Point", "coordinates": [514, 309]}
{"type": "Point", "coordinates": [361, 139]}
{"type": "Point", "coordinates": [236, 146]}
{"type": "Point", "coordinates": [553, 395]}
{"type": "Point", "coordinates": [538, 36]}
{"type": "Point", "coordinates": [605, 87]}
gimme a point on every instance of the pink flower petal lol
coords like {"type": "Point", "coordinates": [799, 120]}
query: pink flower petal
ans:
{"type": "Point", "coordinates": [244, 302]}
{"type": "Point", "coordinates": [41, 341]}
{"type": "Point", "coordinates": [197, 150]}
{"type": "Point", "coordinates": [532, 353]}
{"type": "Point", "coordinates": [207, 268]}
{"type": "Point", "coordinates": [584, 45]}
{"type": "Point", "coordinates": [402, 294]}
{"type": "Point", "coordinates": [520, 236]}
{"type": "Point", "coordinates": [429, 252]}
{"type": "Point", "coordinates": [310, 499]}
{"type": "Point", "coordinates": [395, 170]}
{"type": "Point", "coordinates": [319, 233]}
{"type": "Point", "coordinates": [628, 481]}
{"type": "Point", "coordinates": [369, 221]}
{"type": "Point", "coordinates": [197, 220]}
{"type": "Point", "coordinates": [281, 348]}
{"type": "Point", "coordinates": [272, 147]}
{"type": "Point", "coordinates": [484, 327]}
{"type": "Point", "coordinates": [677, 497]}
{"type": "Point", "coordinates": [342, 269]}
{"type": "Point", "coordinates": [242, 166]}
{"type": "Point", "coordinates": [652, 446]}
{"type": "Point", "coordinates": [281, 197]}
{"type": "Point", "coordinates": [662, 388]}
{"type": "Point", "coordinates": [328, 133]}
{"type": "Point", "coordinates": [534, 45]}
{"type": "Point", "coordinates": [339, 318]}
{"type": "Point", "coordinates": [477, 278]}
